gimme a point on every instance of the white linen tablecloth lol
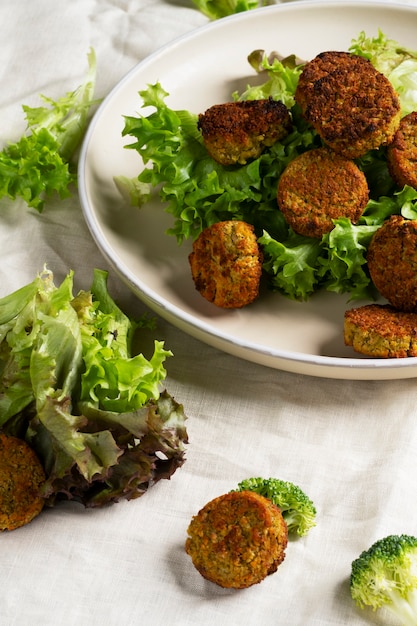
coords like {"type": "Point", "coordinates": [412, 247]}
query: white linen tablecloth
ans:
{"type": "Point", "coordinates": [351, 445]}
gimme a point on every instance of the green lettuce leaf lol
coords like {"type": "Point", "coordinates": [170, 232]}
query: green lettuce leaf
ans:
{"type": "Point", "coordinates": [71, 386]}
{"type": "Point", "coordinates": [113, 379]}
{"type": "Point", "coordinates": [282, 78]}
{"type": "Point", "coordinates": [110, 463]}
{"type": "Point", "coordinates": [198, 191]}
{"type": "Point", "coordinates": [215, 9]}
{"type": "Point", "coordinates": [292, 264]}
{"type": "Point", "coordinates": [39, 164]}
{"type": "Point", "coordinates": [343, 268]}
{"type": "Point", "coordinates": [24, 320]}
{"type": "Point", "coordinates": [398, 63]}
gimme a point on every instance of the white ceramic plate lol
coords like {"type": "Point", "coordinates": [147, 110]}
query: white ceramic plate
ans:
{"type": "Point", "coordinates": [199, 70]}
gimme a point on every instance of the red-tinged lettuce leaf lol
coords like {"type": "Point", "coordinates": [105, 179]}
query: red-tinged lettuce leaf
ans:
{"type": "Point", "coordinates": [60, 442]}
{"type": "Point", "coordinates": [157, 455]}
{"type": "Point", "coordinates": [96, 459]}
{"type": "Point", "coordinates": [72, 387]}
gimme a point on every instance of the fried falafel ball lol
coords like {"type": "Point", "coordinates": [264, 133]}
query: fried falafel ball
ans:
{"type": "Point", "coordinates": [402, 152]}
{"type": "Point", "coordinates": [381, 331]}
{"type": "Point", "coordinates": [392, 262]}
{"type": "Point", "coordinates": [237, 539]}
{"type": "Point", "coordinates": [237, 132]}
{"type": "Point", "coordinates": [21, 476]}
{"type": "Point", "coordinates": [351, 105]}
{"type": "Point", "coordinates": [226, 264]}
{"type": "Point", "coordinates": [319, 186]}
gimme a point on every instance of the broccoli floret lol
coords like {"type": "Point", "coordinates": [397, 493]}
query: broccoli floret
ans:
{"type": "Point", "coordinates": [297, 509]}
{"type": "Point", "coordinates": [386, 576]}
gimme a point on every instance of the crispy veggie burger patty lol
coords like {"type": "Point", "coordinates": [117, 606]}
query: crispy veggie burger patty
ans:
{"type": "Point", "coordinates": [237, 539]}
{"type": "Point", "coordinates": [21, 475]}
{"type": "Point", "coordinates": [351, 105]}
{"type": "Point", "coordinates": [392, 262]}
{"type": "Point", "coordinates": [319, 186]}
{"type": "Point", "coordinates": [381, 331]}
{"type": "Point", "coordinates": [402, 152]}
{"type": "Point", "coordinates": [226, 264]}
{"type": "Point", "coordinates": [236, 132]}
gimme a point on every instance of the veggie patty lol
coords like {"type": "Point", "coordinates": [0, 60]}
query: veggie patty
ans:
{"type": "Point", "coordinates": [21, 477]}
{"type": "Point", "coordinates": [237, 539]}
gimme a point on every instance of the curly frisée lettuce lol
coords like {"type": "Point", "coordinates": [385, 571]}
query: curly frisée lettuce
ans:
{"type": "Point", "coordinates": [298, 266]}
{"type": "Point", "coordinates": [39, 164]}
{"type": "Point", "coordinates": [198, 192]}
{"type": "Point", "coordinates": [71, 387]}
{"type": "Point", "coordinates": [282, 73]}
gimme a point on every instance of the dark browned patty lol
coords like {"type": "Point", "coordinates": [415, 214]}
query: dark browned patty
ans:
{"type": "Point", "coordinates": [392, 262]}
{"type": "Point", "coordinates": [226, 264]}
{"type": "Point", "coordinates": [402, 152]}
{"type": "Point", "coordinates": [21, 476]}
{"type": "Point", "coordinates": [318, 187]}
{"type": "Point", "coordinates": [236, 132]}
{"type": "Point", "coordinates": [237, 539]}
{"type": "Point", "coordinates": [381, 331]}
{"type": "Point", "coordinates": [351, 105]}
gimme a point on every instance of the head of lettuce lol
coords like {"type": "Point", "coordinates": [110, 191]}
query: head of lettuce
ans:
{"type": "Point", "coordinates": [71, 387]}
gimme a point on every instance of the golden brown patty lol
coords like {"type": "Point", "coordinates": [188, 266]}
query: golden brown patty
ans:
{"type": "Point", "coordinates": [392, 262]}
{"type": "Point", "coordinates": [237, 539]}
{"type": "Point", "coordinates": [381, 331]}
{"type": "Point", "coordinates": [402, 152]}
{"type": "Point", "coordinates": [235, 132]}
{"type": "Point", "coordinates": [21, 475]}
{"type": "Point", "coordinates": [351, 105]}
{"type": "Point", "coordinates": [226, 264]}
{"type": "Point", "coordinates": [319, 186]}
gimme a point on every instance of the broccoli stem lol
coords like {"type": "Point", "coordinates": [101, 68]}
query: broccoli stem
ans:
{"type": "Point", "coordinates": [403, 608]}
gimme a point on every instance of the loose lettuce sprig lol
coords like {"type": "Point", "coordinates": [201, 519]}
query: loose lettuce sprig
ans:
{"type": "Point", "coordinates": [39, 164]}
{"type": "Point", "coordinates": [70, 386]}
{"type": "Point", "coordinates": [215, 9]}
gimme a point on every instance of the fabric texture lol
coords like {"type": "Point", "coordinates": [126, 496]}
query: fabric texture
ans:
{"type": "Point", "coordinates": [351, 445]}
